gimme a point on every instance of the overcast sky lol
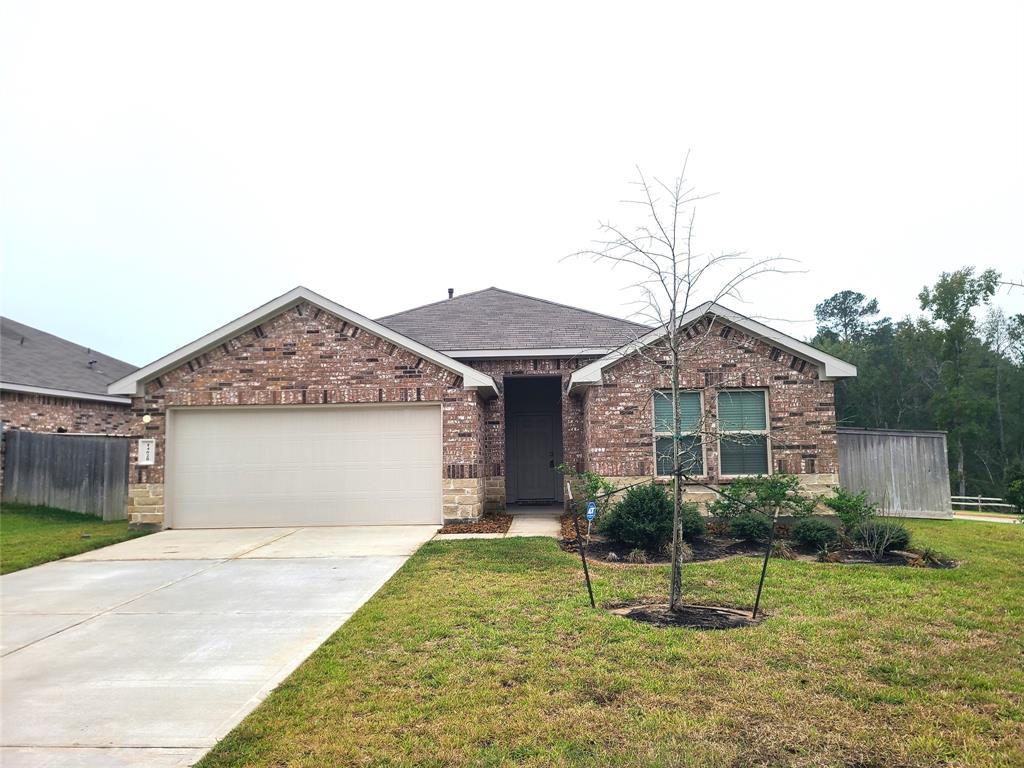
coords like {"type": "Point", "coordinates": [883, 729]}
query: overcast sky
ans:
{"type": "Point", "coordinates": [166, 167]}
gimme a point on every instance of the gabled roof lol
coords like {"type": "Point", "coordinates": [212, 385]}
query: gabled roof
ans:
{"type": "Point", "coordinates": [132, 384]}
{"type": "Point", "coordinates": [38, 362]}
{"type": "Point", "coordinates": [829, 367]}
{"type": "Point", "coordinates": [483, 323]}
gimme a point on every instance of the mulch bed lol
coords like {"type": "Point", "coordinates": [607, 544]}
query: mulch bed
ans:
{"type": "Point", "coordinates": [716, 546]}
{"type": "Point", "coordinates": [688, 616]}
{"type": "Point", "coordinates": [497, 523]}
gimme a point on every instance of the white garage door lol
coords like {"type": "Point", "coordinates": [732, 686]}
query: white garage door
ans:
{"type": "Point", "coordinates": [236, 467]}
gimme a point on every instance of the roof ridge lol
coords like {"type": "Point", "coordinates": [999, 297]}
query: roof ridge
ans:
{"type": "Point", "coordinates": [570, 306]}
{"type": "Point", "coordinates": [522, 296]}
{"type": "Point", "coordinates": [82, 347]}
{"type": "Point", "coordinates": [435, 303]}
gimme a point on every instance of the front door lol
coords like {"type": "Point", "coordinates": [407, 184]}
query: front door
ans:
{"type": "Point", "coordinates": [534, 457]}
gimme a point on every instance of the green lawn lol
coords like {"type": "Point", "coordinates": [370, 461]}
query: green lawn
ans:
{"type": "Point", "coordinates": [33, 535]}
{"type": "Point", "coordinates": [485, 653]}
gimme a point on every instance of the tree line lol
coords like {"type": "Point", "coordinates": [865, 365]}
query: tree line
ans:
{"type": "Point", "coordinates": [958, 367]}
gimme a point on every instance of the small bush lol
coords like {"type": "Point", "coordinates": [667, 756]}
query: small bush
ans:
{"type": "Point", "coordinates": [879, 536]}
{"type": "Point", "coordinates": [590, 485]}
{"type": "Point", "coordinates": [815, 533]}
{"type": "Point", "coordinates": [752, 526]}
{"type": "Point", "coordinates": [694, 526]}
{"type": "Point", "coordinates": [782, 551]}
{"type": "Point", "coordinates": [642, 519]}
{"type": "Point", "coordinates": [770, 494]}
{"type": "Point", "coordinates": [637, 556]}
{"type": "Point", "coordinates": [852, 509]}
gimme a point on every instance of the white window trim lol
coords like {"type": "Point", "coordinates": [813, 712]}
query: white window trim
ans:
{"type": "Point", "coordinates": [655, 434]}
{"type": "Point", "coordinates": [766, 431]}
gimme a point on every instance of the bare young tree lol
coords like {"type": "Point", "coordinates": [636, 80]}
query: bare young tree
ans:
{"type": "Point", "coordinates": [674, 276]}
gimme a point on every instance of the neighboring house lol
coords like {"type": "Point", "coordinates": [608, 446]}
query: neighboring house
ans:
{"type": "Point", "coordinates": [303, 412]}
{"type": "Point", "coordinates": [49, 384]}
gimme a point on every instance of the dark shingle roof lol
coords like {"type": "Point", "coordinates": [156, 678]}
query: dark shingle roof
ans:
{"type": "Point", "coordinates": [35, 358]}
{"type": "Point", "coordinates": [494, 319]}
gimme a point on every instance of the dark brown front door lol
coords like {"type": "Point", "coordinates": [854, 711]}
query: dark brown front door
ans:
{"type": "Point", "coordinates": [534, 456]}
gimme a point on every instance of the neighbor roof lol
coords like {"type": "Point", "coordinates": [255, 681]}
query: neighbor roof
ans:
{"type": "Point", "coordinates": [483, 322]}
{"type": "Point", "coordinates": [132, 384]}
{"type": "Point", "coordinates": [36, 361]}
{"type": "Point", "coordinates": [829, 367]}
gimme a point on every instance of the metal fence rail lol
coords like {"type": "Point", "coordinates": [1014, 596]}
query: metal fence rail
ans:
{"type": "Point", "coordinates": [80, 473]}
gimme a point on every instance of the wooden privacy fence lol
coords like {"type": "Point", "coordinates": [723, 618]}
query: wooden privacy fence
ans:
{"type": "Point", "coordinates": [81, 473]}
{"type": "Point", "coordinates": [905, 472]}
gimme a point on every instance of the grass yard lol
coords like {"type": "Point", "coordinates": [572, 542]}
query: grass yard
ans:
{"type": "Point", "coordinates": [485, 653]}
{"type": "Point", "coordinates": [33, 535]}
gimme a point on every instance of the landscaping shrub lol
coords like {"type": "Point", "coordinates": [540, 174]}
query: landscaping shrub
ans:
{"type": "Point", "coordinates": [693, 524]}
{"type": "Point", "coordinates": [852, 509]}
{"type": "Point", "coordinates": [752, 526]}
{"type": "Point", "coordinates": [879, 536]}
{"type": "Point", "coordinates": [770, 494]}
{"type": "Point", "coordinates": [642, 519]}
{"type": "Point", "coordinates": [815, 533]}
{"type": "Point", "coordinates": [637, 556]}
{"type": "Point", "coordinates": [590, 485]}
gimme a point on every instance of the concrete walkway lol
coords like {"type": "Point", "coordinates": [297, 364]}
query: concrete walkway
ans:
{"type": "Point", "coordinates": [148, 652]}
{"type": "Point", "coordinates": [526, 521]}
{"type": "Point", "coordinates": [983, 518]}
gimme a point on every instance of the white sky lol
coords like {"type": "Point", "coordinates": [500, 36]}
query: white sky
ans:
{"type": "Point", "coordinates": [165, 167]}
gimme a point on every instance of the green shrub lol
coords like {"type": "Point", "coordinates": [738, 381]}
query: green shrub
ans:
{"type": "Point", "coordinates": [589, 485]}
{"type": "Point", "coordinates": [752, 526]}
{"type": "Point", "coordinates": [852, 509]}
{"type": "Point", "coordinates": [879, 536]}
{"type": "Point", "coordinates": [694, 526]}
{"type": "Point", "coordinates": [815, 533]}
{"type": "Point", "coordinates": [642, 519]}
{"type": "Point", "coordinates": [770, 494]}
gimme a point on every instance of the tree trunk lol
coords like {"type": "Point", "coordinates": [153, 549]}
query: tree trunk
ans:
{"type": "Point", "coordinates": [676, 587]}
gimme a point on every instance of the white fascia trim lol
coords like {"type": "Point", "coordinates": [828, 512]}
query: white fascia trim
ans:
{"type": "Point", "coordinates": [829, 367]}
{"type": "Point", "coordinates": [68, 393]}
{"type": "Point", "coordinates": [477, 354]}
{"type": "Point", "coordinates": [133, 383]}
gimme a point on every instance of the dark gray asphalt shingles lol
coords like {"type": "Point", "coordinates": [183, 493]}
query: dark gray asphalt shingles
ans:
{"type": "Point", "coordinates": [497, 319]}
{"type": "Point", "coordinates": [35, 358]}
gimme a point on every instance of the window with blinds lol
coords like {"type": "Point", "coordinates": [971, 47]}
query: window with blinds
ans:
{"type": "Point", "coordinates": [690, 413]}
{"type": "Point", "coordinates": [743, 426]}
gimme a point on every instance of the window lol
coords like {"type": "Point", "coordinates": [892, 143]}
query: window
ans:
{"type": "Point", "coordinates": [692, 454]}
{"type": "Point", "coordinates": [743, 425]}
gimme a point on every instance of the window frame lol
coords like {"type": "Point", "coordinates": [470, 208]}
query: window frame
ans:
{"type": "Point", "coordinates": [766, 431]}
{"type": "Point", "coordinates": [655, 434]}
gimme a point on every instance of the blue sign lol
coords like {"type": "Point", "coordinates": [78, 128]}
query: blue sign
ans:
{"type": "Point", "coordinates": [591, 510]}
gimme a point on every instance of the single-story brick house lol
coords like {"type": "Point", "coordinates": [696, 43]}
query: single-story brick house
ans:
{"type": "Point", "coordinates": [49, 384]}
{"type": "Point", "coordinates": [305, 412]}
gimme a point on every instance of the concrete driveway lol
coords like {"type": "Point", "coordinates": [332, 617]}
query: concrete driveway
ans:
{"type": "Point", "coordinates": [148, 652]}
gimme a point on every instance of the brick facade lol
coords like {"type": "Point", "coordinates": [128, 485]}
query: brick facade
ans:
{"type": "Point", "coordinates": [305, 356]}
{"type": "Point", "coordinates": [618, 416]}
{"type": "Point", "coordinates": [44, 413]}
{"type": "Point", "coordinates": [494, 417]}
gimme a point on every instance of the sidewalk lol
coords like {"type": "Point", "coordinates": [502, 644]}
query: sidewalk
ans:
{"type": "Point", "coordinates": [526, 521]}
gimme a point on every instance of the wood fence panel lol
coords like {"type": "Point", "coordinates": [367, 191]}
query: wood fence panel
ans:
{"type": "Point", "coordinates": [904, 472]}
{"type": "Point", "coordinates": [81, 473]}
